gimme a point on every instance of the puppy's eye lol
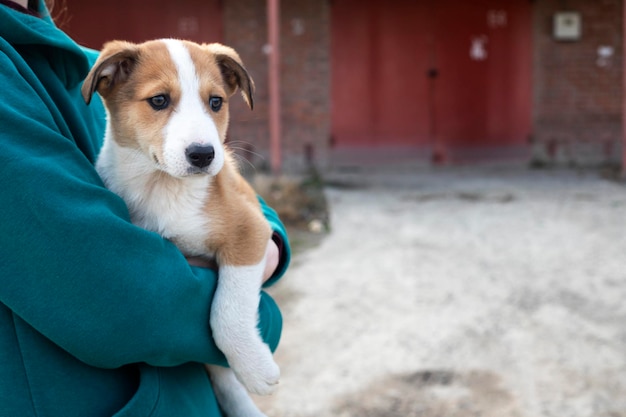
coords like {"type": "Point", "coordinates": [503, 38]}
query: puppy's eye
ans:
{"type": "Point", "coordinates": [159, 102]}
{"type": "Point", "coordinates": [215, 103]}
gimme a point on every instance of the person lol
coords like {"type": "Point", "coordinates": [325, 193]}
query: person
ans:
{"type": "Point", "coordinates": [97, 316]}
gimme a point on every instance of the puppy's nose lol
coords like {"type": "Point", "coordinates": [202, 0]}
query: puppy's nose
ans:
{"type": "Point", "coordinates": [200, 155]}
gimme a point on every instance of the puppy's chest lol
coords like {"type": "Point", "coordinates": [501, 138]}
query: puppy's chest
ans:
{"type": "Point", "coordinates": [177, 212]}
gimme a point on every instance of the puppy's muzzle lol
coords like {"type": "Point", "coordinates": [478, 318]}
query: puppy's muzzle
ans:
{"type": "Point", "coordinates": [200, 156]}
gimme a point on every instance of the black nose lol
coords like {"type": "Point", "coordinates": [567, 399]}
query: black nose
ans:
{"type": "Point", "coordinates": [200, 155]}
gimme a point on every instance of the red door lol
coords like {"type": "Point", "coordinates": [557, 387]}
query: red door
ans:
{"type": "Point", "coordinates": [483, 88]}
{"type": "Point", "coordinates": [449, 77]}
{"type": "Point", "coordinates": [92, 23]}
{"type": "Point", "coordinates": [379, 86]}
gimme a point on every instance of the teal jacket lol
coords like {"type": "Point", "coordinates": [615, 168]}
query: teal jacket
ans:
{"type": "Point", "coordinates": [97, 317]}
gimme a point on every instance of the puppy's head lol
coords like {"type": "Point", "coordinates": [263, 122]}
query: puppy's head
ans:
{"type": "Point", "coordinates": [168, 99]}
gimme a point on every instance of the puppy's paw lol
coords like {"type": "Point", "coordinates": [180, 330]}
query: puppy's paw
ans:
{"type": "Point", "coordinates": [259, 377]}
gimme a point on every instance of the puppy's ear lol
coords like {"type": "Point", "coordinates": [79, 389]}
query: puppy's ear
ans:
{"type": "Point", "coordinates": [233, 72]}
{"type": "Point", "coordinates": [113, 67]}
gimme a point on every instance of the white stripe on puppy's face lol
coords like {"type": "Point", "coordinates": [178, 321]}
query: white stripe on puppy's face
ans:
{"type": "Point", "coordinates": [190, 124]}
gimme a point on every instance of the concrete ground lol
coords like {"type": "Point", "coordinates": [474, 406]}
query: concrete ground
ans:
{"type": "Point", "coordinates": [459, 292]}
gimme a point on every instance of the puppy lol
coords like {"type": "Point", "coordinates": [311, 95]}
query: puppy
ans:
{"type": "Point", "coordinates": [164, 154]}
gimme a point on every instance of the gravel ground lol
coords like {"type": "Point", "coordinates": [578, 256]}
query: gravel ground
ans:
{"type": "Point", "coordinates": [458, 292]}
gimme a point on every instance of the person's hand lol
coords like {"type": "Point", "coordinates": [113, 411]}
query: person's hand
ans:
{"type": "Point", "coordinates": [272, 257]}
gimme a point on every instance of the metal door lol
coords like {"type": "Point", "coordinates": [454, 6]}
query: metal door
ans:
{"type": "Point", "coordinates": [448, 76]}
{"type": "Point", "coordinates": [379, 90]}
{"type": "Point", "coordinates": [482, 94]}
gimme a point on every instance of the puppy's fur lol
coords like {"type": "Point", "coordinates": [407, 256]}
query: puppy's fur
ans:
{"type": "Point", "coordinates": [164, 154]}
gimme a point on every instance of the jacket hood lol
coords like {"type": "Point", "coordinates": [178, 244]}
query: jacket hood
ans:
{"type": "Point", "coordinates": [66, 57]}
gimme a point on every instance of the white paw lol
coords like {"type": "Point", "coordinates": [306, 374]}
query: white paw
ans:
{"type": "Point", "coordinates": [260, 376]}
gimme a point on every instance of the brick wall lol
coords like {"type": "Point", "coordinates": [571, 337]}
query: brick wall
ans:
{"type": "Point", "coordinates": [245, 30]}
{"type": "Point", "coordinates": [577, 104]}
{"type": "Point", "coordinates": [305, 79]}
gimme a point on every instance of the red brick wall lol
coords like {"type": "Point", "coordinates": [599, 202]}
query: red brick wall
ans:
{"type": "Point", "coordinates": [305, 78]}
{"type": "Point", "coordinates": [577, 97]}
{"type": "Point", "coordinates": [245, 30]}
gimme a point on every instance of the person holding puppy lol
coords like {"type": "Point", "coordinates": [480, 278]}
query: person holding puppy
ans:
{"type": "Point", "coordinates": [97, 317]}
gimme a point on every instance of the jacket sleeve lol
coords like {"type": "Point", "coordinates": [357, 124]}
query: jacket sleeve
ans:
{"type": "Point", "coordinates": [74, 267]}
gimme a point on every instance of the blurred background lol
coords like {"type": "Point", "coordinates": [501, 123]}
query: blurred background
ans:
{"type": "Point", "coordinates": [451, 175]}
{"type": "Point", "coordinates": [432, 80]}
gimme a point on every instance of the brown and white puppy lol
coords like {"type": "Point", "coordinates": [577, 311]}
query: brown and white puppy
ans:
{"type": "Point", "coordinates": [164, 154]}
